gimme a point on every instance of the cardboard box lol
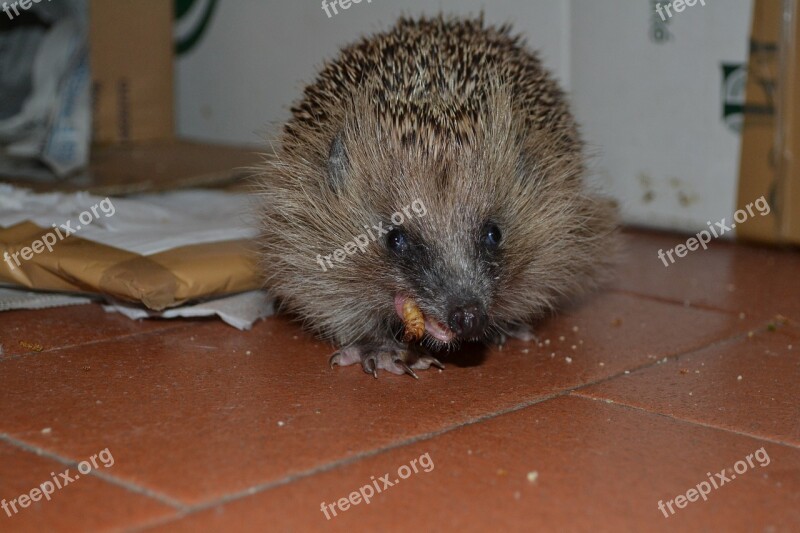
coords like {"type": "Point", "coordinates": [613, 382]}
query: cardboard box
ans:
{"type": "Point", "coordinates": [771, 134]}
{"type": "Point", "coordinates": [131, 56]}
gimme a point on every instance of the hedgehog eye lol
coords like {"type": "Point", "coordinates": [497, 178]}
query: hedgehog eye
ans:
{"type": "Point", "coordinates": [397, 241]}
{"type": "Point", "coordinates": [492, 236]}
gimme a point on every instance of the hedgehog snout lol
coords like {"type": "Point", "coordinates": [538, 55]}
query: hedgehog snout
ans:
{"type": "Point", "coordinates": [467, 320]}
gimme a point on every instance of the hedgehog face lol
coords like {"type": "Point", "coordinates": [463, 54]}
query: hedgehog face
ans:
{"type": "Point", "coordinates": [453, 280]}
{"type": "Point", "coordinates": [438, 225]}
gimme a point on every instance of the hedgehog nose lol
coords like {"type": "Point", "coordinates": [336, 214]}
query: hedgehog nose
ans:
{"type": "Point", "coordinates": [468, 320]}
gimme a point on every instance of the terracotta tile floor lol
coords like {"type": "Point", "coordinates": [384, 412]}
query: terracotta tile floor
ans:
{"type": "Point", "coordinates": [635, 397]}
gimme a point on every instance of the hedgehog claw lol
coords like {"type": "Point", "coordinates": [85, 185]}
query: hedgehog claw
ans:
{"type": "Point", "coordinates": [369, 366]}
{"type": "Point", "coordinates": [434, 362]}
{"type": "Point", "coordinates": [402, 364]}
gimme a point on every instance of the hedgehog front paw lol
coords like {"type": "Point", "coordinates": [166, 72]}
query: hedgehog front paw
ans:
{"type": "Point", "coordinates": [391, 357]}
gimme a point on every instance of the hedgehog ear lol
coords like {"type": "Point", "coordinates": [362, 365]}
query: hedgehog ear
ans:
{"type": "Point", "coordinates": [338, 163]}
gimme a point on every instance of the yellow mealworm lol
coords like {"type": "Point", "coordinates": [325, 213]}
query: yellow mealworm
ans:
{"type": "Point", "coordinates": [413, 320]}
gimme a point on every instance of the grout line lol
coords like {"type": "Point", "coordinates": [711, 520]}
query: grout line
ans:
{"type": "Point", "coordinates": [229, 498]}
{"type": "Point", "coordinates": [131, 487]}
{"type": "Point", "coordinates": [718, 343]}
{"type": "Point", "coordinates": [419, 438]}
{"type": "Point", "coordinates": [578, 394]}
{"type": "Point", "coordinates": [88, 343]}
{"type": "Point", "coordinates": [735, 338]}
{"type": "Point", "coordinates": [572, 391]}
{"type": "Point", "coordinates": [186, 510]}
{"type": "Point", "coordinates": [663, 299]}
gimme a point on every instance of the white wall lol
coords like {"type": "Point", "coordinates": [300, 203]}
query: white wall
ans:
{"type": "Point", "coordinates": [257, 55]}
{"type": "Point", "coordinates": [650, 111]}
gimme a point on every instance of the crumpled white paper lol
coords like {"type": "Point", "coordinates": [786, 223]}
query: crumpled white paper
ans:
{"type": "Point", "coordinates": [240, 310]}
{"type": "Point", "coordinates": [143, 224]}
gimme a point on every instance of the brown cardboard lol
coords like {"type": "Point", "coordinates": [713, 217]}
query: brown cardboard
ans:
{"type": "Point", "coordinates": [771, 130]}
{"type": "Point", "coordinates": [131, 56]}
{"type": "Point", "coordinates": [158, 281]}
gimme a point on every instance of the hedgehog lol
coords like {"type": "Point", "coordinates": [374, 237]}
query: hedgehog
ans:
{"type": "Point", "coordinates": [455, 126]}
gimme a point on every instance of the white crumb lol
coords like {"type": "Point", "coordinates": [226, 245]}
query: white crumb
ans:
{"type": "Point", "coordinates": [47, 431]}
{"type": "Point", "coordinates": [533, 476]}
{"type": "Point", "coordinates": [568, 360]}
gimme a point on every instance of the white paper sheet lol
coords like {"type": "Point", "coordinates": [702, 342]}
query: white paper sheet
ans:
{"type": "Point", "coordinates": [144, 224]}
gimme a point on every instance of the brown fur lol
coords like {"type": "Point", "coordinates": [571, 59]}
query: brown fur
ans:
{"type": "Point", "coordinates": [464, 118]}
